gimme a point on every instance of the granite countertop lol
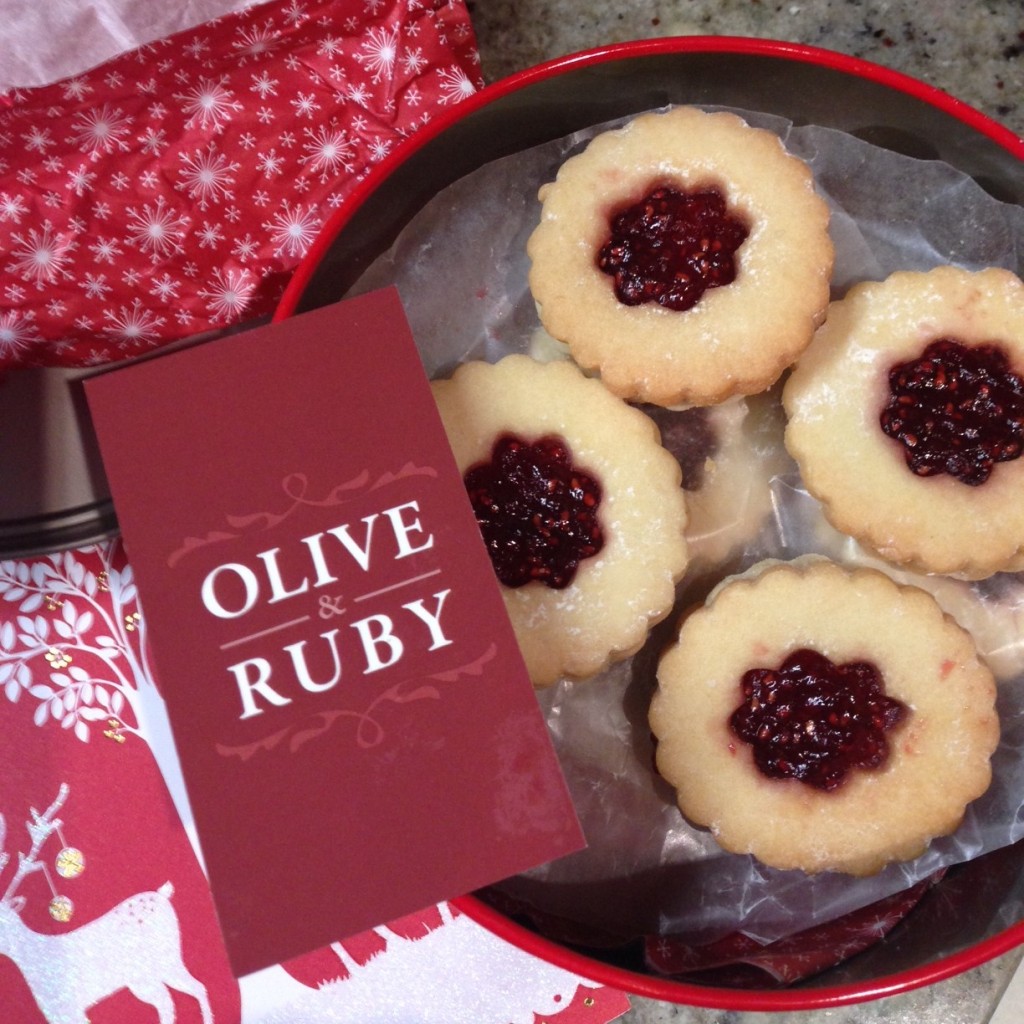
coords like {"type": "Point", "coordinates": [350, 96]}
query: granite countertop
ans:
{"type": "Point", "coordinates": [972, 49]}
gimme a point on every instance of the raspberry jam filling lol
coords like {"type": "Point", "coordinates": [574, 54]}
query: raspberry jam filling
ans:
{"type": "Point", "coordinates": [816, 721]}
{"type": "Point", "coordinates": [672, 246]}
{"type": "Point", "coordinates": [537, 511]}
{"type": "Point", "coordinates": [957, 409]}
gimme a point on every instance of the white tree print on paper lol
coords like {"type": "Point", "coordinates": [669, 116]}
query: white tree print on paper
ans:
{"type": "Point", "coordinates": [69, 863]}
{"type": "Point", "coordinates": [136, 945]}
{"type": "Point", "coordinates": [57, 613]}
{"type": "Point", "coordinates": [535, 990]}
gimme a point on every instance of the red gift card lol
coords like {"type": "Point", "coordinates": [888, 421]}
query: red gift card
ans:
{"type": "Point", "coordinates": [357, 732]}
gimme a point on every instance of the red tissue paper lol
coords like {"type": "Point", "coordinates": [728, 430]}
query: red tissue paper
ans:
{"type": "Point", "coordinates": [171, 191]}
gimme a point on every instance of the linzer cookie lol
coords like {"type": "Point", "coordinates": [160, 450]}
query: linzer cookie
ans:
{"type": "Point", "coordinates": [906, 416]}
{"type": "Point", "coordinates": [684, 257]}
{"type": "Point", "coordinates": [824, 719]}
{"type": "Point", "coordinates": [729, 454]}
{"type": "Point", "coordinates": [579, 505]}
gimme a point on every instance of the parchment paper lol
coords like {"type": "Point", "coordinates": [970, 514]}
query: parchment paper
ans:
{"type": "Point", "coordinates": [460, 267]}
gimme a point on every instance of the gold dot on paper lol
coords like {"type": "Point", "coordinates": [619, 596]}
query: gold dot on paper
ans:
{"type": "Point", "coordinates": [70, 863]}
{"type": "Point", "coordinates": [61, 909]}
{"type": "Point", "coordinates": [58, 658]}
{"type": "Point", "coordinates": [589, 1001]}
{"type": "Point", "coordinates": [114, 732]}
{"type": "Point", "coordinates": [103, 579]}
{"type": "Point", "coordinates": [131, 621]}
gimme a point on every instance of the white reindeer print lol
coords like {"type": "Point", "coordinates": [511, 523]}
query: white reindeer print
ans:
{"type": "Point", "coordinates": [134, 946]}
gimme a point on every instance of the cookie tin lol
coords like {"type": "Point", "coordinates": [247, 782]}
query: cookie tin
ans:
{"type": "Point", "coordinates": [976, 912]}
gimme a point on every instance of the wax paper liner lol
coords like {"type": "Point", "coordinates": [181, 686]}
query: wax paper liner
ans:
{"type": "Point", "coordinates": [171, 191]}
{"type": "Point", "coordinates": [645, 871]}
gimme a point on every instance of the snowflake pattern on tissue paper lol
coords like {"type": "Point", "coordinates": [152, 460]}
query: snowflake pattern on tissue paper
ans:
{"type": "Point", "coordinates": [171, 191]}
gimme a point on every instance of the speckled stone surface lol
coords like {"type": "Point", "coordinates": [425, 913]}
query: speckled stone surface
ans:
{"type": "Point", "coordinates": [973, 49]}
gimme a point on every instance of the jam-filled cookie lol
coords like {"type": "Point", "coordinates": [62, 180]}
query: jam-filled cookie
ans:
{"type": "Point", "coordinates": [685, 257]}
{"type": "Point", "coordinates": [823, 718]}
{"type": "Point", "coordinates": [990, 609]}
{"type": "Point", "coordinates": [580, 507]}
{"type": "Point", "coordinates": [728, 453]}
{"type": "Point", "coordinates": [906, 417]}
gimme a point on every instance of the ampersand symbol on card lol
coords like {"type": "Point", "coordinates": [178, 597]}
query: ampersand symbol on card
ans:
{"type": "Point", "coordinates": [330, 606]}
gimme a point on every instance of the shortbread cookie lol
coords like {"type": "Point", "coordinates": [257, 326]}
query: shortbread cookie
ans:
{"type": "Point", "coordinates": [906, 417]}
{"type": "Point", "coordinates": [729, 453]}
{"type": "Point", "coordinates": [823, 718]}
{"type": "Point", "coordinates": [580, 506]}
{"type": "Point", "coordinates": [684, 257]}
{"type": "Point", "coordinates": [991, 609]}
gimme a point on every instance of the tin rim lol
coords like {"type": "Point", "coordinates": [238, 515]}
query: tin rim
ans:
{"type": "Point", "coordinates": [648, 985]}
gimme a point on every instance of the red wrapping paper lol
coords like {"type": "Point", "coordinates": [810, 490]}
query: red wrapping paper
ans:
{"type": "Point", "coordinates": [171, 191]}
{"type": "Point", "coordinates": [93, 855]}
